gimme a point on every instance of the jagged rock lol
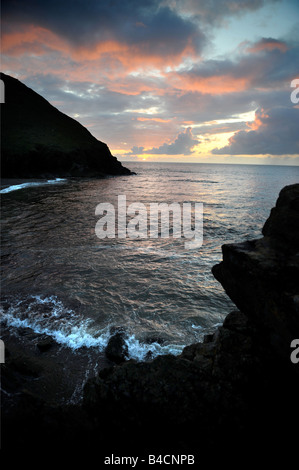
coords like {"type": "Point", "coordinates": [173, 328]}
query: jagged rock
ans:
{"type": "Point", "coordinates": [282, 227]}
{"type": "Point", "coordinates": [117, 349]}
{"type": "Point", "coordinates": [262, 276]}
{"type": "Point", "coordinates": [37, 140]}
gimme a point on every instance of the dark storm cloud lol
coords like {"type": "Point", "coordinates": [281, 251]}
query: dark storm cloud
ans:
{"type": "Point", "coordinates": [199, 107]}
{"type": "Point", "coordinates": [143, 23]}
{"type": "Point", "coordinates": [213, 11]}
{"type": "Point", "coordinates": [97, 17]}
{"type": "Point", "coordinates": [262, 67]}
{"type": "Point", "coordinates": [182, 145]}
{"type": "Point", "coordinates": [154, 26]}
{"type": "Point", "coordinates": [276, 134]}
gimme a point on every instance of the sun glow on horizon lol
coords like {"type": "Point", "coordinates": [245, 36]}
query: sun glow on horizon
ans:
{"type": "Point", "coordinates": [155, 79]}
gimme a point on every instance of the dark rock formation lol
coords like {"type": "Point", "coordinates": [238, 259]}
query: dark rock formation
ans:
{"type": "Point", "coordinates": [37, 140]}
{"type": "Point", "coordinates": [282, 227]}
{"type": "Point", "coordinates": [117, 349]}
{"type": "Point", "coordinates": [262, 276]}
{"type": "Point", "coordinates": [232, 398]}
{"type": "Point", "coordinates": [45, 344]}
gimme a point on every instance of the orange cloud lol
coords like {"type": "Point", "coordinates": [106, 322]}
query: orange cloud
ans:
{"type": "Point", "coordinates": [217, 84]}
{"type": "Point", "coordinates": [117, 54]}
{"type": "Point", "coordinates": [120, 67]}
{"type": "Point", "coordinates": [259, 121]}
{"type": "Point", "coordinates": [34, 39]}
{"type": "Point", "coordinates": [153, 119]}
{"type": "Point", "coordinates": [132, 87]}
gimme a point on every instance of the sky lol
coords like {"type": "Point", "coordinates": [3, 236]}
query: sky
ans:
{"type": "Point", "coordinates": [165, 80]}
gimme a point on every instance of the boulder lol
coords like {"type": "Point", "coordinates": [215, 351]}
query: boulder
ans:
{"type": "Point", "coordinates": [117, 349]}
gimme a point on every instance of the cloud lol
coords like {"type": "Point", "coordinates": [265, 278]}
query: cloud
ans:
{"type": "Point", "coordinates": [268, 44]}
{"type": "Point", "coordinates": [136, 150]}
{"type": "Point", "coordinates": [146, 27]}
{"type": "Point", "coordinates": [136, 72]}
{"type": "Point", "coordinates": [182, 145]}
{"type": "Point", "coordinates": [130, 20]}
{"type": "Point", "coordinates": [127, 33]}
{"type": "Point", "coordinates": [216, 11]}
{"type": "Point", "coordinates": [274, 132]}
{"type": "Point", "coordinates": [266, 64]}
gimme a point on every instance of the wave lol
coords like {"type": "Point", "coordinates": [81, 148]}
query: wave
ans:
{"type": "Point", "coordinates": [140, 351]}
{"type": "Point", "coordinates": [30, 184]}
{"type": "Point", "coordinates": [49, 316]}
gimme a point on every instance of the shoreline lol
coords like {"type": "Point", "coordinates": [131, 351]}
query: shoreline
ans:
{"type": "Point", "coordinates": [237, 391]}
{"type": "Point", "coordinates": [8, 182]}
{"type": "Point", "coordinates": [5, 182]}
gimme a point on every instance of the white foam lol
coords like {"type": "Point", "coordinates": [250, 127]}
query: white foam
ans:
{"type": "Point", "coordinates": [16, 187]}
{"type": "Point", "coordinates": [139, 351]}
{"type": "Point", "coordinates": [196, 327]}
{"type": "Point", "coordinates": [48, 315]}
{"type": "Point", "coordinates": [62, 324]}
{"type": "Point", "coordinates": [75, 337]}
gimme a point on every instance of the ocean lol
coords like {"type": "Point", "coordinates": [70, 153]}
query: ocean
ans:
{"type": "Point", "coordinates": [60, 279]}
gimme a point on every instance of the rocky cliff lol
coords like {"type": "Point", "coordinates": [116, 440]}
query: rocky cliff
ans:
{"type": "Point", "coordinates": [262, 276]}
{"type": "Point", "coordinates": [233, 397]}
{"type": "Point", "coordinates": [37, 140]}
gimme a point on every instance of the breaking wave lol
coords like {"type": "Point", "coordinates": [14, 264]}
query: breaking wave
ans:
{"type": "Point", "coordinates": [30, 184]}
{"type": "Point", "coordinates": [49, 316]}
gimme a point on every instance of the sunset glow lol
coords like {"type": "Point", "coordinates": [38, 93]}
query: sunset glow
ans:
{"type": "Point", "coordinates": [175, 80]}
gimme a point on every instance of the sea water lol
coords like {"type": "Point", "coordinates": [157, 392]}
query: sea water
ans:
{"type": "Point", "coordinates": [58, 278]}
